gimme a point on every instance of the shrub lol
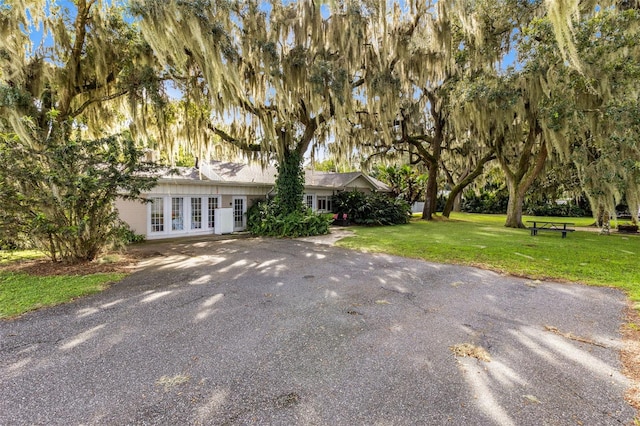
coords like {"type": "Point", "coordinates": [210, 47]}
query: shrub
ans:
{"type": "Point", "coordinates": [494, 201]}
{"type": "Point", "coordinates": [127, 236]}
{"type": "Point", "coordinates": [263, 219]}
{"type": "Point", "coordinates": [372, 209]}
{"type": "Point", "coordinates": [554, 209]}
{"type": "Point", "coordinates": [61, 195]}
{"type": "Point", "coordinates": [14, 241]}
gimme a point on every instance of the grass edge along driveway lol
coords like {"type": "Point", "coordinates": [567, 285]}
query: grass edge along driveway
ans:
{"type": "Point", "coordinates": [483, 241]}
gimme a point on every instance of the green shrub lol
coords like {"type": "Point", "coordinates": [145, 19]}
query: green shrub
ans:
{"type": "Point", "coordinates": [127, 236]}
{"type": "Point", "coordinates": [371, 209]}
{"type": "Point", "coordinates": [61, 194]}
{"type": "Point", "coordinates": [17, 242]}
{"type": "Point", "coordinates": [556, 210]}
{"type": "Point", "coordinates": [263, 219]}
{"type": "Point", "coordinates": [486, 201]}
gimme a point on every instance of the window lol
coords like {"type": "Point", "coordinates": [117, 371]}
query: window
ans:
{"type": "Point", "coordinates": [213, 205]}
{"type": "Point", "coordinates": [196, 213]}
{"type": "Point", "coordinates": [157, 215]}
{"type": "Point", "coordinates": [324, 203]}
{"type": "Point", "coordinates": [177, 214]}
{"type": "Point", "coordinates": [309, 201]}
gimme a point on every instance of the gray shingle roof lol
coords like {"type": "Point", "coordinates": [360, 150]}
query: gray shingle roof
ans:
{"type": "Point", "coordinates": [247, 174]}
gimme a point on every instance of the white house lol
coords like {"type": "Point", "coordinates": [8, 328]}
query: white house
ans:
{"type": "Point", "coordinates": [215, 197]}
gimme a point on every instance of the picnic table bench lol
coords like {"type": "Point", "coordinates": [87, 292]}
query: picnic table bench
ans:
{"type": "Point", "coordinates": [539, 225]}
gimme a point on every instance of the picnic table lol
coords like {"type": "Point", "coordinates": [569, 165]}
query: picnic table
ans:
{"type": "Point", "coordinates": [541, 225]}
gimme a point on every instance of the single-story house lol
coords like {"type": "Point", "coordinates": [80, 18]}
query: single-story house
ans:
{"type": "Point", "coordinates": [214, 198]}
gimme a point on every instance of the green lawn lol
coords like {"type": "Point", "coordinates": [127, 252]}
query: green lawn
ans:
{"type": "Point", "coordinates": [482, 240]}
{"type": "Point", "coordinates": [7, 256]}
{"type": "Point", "coordinates": [21, 292]}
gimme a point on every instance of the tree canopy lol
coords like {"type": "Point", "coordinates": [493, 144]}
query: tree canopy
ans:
{"type": "Point", "coordinates": [434, 83]}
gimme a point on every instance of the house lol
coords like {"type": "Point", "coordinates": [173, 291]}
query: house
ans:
{"type": "Point", "coordinates": [215, 197]}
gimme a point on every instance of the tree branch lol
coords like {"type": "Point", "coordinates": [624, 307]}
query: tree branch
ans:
{"type": "Point", "coordinates": [84, 106]}
{"type": "Point", "coordinates": [238, 143]}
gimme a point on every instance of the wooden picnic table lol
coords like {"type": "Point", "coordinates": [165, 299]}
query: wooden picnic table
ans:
{"type": "Point", "coordinates": [542, 225]}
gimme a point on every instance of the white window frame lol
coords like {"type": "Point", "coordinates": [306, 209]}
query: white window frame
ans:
{"type": "Point", "coordinates": [195, 224]}
{"type": "Point", "coordinates": [244, 213]}
{"type": "Point", "coordinates": [211, 224]}
{"type": "Point", "coordinates": [326, 199]}
{"type": "Point", "coordinates": [310, 199]}
{"type": "Point", "coordinates": [179, 223]}
{"type": "Point", "coordinates": [152, 211]}
{"type": "Point", "coordinates": [169, 202]}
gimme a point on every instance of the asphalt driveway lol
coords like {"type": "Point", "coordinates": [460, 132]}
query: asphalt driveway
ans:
{"type": "Point", "coordinates": [290, 332]}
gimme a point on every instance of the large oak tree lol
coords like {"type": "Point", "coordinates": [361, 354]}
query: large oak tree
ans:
{"type": "Point", "coordinates": [279, 78]}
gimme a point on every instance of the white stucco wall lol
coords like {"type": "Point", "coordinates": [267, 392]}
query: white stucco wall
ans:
{"type": "Point", "coordinates": [134, 213]}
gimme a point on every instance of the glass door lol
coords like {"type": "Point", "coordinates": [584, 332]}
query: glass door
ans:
{"type": "Point", "coordinates": [239, 210]}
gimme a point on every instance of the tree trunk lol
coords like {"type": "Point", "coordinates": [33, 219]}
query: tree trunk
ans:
{"type": "Point", "coordinates": [600, 215]}
{"type": "Point", "coordinates": [529, 166]}
{"type": "Point", "coordinates": [453, 202]}
{"type": "Point", "coordinates": [455, 196]}
{"type": "Point", "coordinates": [516, 200]}
{"type": "Point", "coordinates": [457, 203]}
{"type": "Point", "coordinates": [431, 193]}
{"type": "Point", "coordinates": [433, 162]}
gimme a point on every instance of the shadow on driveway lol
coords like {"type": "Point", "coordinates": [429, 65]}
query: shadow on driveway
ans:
{"type": "Point", "coordinates": [261, 331]}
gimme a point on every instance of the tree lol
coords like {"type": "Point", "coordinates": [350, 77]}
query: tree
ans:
{"type": "Point", "coordinates": [462, 163]}
{"type": "Point", "coordinates": [62, 197]}
{"type": "Point", "coordinates": [504, 110]}
{"type": "Point", "coordinates": [275, 75]}
{"type": "Point", "coordinates": [405, 182]}
{"type": "Point", "coordinates": [593, 112]}
{"type": "Point", "coordinates": [62, 106]}
{"type": "Point", "coordinates": [508, 109]}
{"type": "Point", "coordinates": [436, 52]}
{"type": "Point", "coordinates": [280, 77]}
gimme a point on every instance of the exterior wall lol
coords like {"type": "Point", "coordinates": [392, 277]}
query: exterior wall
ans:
{"type": "Point", "coordinates": [171, 188]}
{"type": "Point", "coordinates": [227, 200]}
{"type": "Point", "coordinates": [134, 214]}
{"type": "Point", "coordinates": [252, 200]}
{"type": "Point", "coordinates": [169, 225]}
{"type": "Point", "coordinates": [361, 184]}
{"type": "Point", "coordinates": [139, 215]}
{"type": "Point", "coordinates": [359, 188]}
{"type": "Point", "coordinates": [417, 207]}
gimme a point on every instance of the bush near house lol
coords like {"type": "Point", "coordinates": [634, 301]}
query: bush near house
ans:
{"type": "Point", "coordinates": [371, 209]}
{"type": "Point", "coordinates": [60, 196]}
{"type": "Point", "coordinates": [265, 219]}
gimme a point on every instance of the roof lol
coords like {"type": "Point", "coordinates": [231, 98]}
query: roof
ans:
{"type": "Point", "coordinates": [181, 174]}
{"type": "Point", "coordinates": [341, 180]}
{"type": "Point", "coordinates": [220, 172]}
{"type": "Point", "coordinates": [239, 173]}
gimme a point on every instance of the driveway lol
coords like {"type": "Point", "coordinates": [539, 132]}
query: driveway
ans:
{"type": "Point", "coordinates": [289, 332]}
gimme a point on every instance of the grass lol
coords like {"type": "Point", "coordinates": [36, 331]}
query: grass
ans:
{"type": "Point", "coordinates": [483, 241]}
{"type": "Point", "coordinates": [20, 293]}
{"type": "Point", "coordinates": [8, 256]}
